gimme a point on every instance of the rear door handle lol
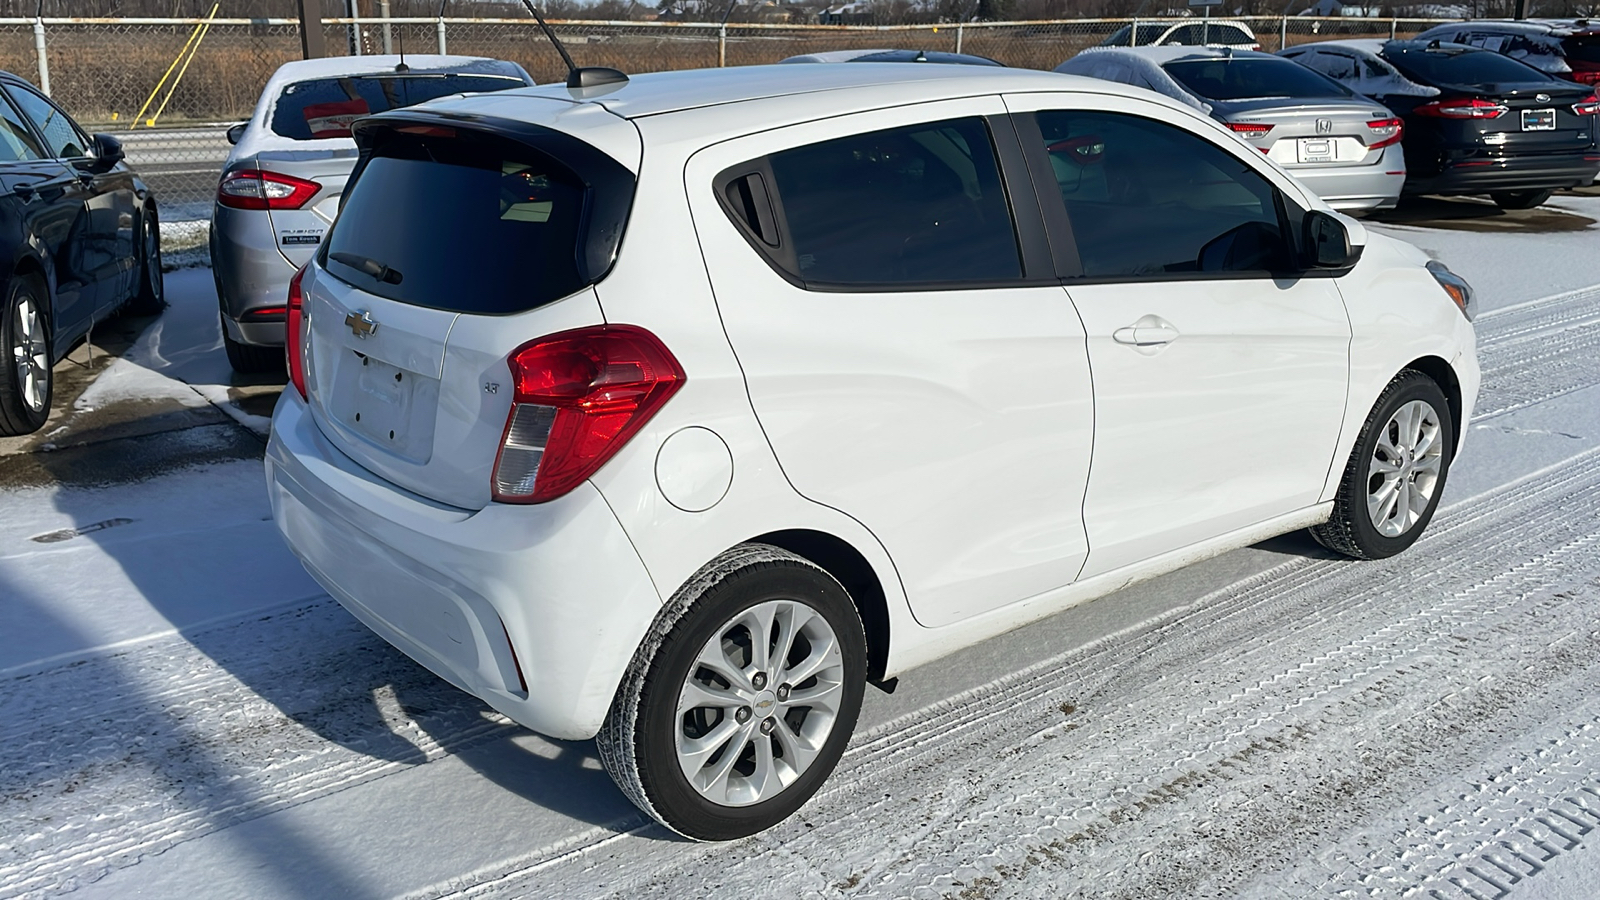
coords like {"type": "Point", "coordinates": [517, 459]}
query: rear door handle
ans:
{"type": "Point", "coordinates": [1149, 331]}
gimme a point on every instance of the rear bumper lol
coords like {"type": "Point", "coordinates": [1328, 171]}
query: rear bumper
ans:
{"type": "Point", "coordinates": [556, 588]}
{"type": "Point", "coordinates": [1512, 173]}
{"type": "Point", "coordinates": [251, 273]}
{"type": "Point", "coordinates": [1374, 186]}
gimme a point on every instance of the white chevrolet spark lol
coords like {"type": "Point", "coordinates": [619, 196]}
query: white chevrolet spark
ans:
{"type": "Point", "coordinates": [672, 413]}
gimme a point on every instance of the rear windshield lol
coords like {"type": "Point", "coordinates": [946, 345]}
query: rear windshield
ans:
{"type": "Point", "coordinates": [475, 227]}
{"type": "Point", "coordinates": [1241, 79]}
{"type": "Point", "coordinates": [1462, 67]}
{"type": "Point", "coordinates": [1582, 48]}
{"type": "Point", "coordinates": [325, 107]}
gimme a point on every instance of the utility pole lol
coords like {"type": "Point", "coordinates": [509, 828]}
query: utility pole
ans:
{"type": "Point", "coordinates": [311, 44]}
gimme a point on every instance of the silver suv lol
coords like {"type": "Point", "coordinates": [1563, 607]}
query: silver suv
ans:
{"type": "Point", "coordinates": [281, 184]}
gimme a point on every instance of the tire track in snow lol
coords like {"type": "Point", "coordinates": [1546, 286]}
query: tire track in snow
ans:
{"type": "Point", "coordinates": [1137, 745]}
{"type": "Point", "coordinates": [72, 809]}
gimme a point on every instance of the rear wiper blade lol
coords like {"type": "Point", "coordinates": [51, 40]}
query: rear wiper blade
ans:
{"type": "Point", "coordinates": [368, 266]}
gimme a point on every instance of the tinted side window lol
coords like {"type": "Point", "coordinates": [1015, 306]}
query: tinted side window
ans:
{"type": "Point", "coordinates": [921, 204]}
{"type": "Point", "coordinates": [1149, 199]}
{"type": "Point", "coordinates": [61, 137]}
{"type": "Point", "coordinates": [16, 140]}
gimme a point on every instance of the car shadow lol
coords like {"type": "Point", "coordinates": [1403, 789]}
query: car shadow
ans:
{"type": "Point", "coordinates": [1479, 214]}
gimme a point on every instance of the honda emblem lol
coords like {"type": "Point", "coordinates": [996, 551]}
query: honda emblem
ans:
{"type": "Point", "coordinates": [1324, 126]}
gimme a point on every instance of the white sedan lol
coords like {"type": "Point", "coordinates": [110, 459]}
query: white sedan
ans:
{"type": "Point", "coordinates": [674, 412]}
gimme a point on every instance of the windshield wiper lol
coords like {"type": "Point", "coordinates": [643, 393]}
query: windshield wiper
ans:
{"type": "Point", "coordinates": [367, 266]}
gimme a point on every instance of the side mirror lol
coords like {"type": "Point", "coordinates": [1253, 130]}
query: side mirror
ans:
{"type": "Point", "coordinates": [236, 132]}
{"type": "Point", "coordinates": [107, 152]}
{"type": "Point", "coordinates": [1327, 243]}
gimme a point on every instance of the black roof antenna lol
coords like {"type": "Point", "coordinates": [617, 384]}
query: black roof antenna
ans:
{"type": "Point", "coordinates": [401, 68]}
{"type": "Point", "coordinates": [577, 76]}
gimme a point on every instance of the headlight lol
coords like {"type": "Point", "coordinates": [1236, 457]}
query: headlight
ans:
{"type": "Point", "coordinates": [1455, 286]}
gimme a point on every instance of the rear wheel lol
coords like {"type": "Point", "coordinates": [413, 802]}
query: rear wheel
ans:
{"type": "Point", "coordinates": [1519, 199]}
{"type": "Point", "coordinates": [248, 359]}
{"type": "Point", "coordinates": [1396, 472]}
{"type": "Point", "coordinates": [27, 383]}
{"type": "Point", "coordinates": [150, 295]}
{"type": "Point", "coordinates": [742, 697]}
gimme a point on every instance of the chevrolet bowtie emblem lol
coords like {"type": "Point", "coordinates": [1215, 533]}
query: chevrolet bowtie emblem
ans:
{"type": "Point", "coordinates": [361, 324]}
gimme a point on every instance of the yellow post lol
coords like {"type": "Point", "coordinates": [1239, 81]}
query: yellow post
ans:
{"type": "Point", "coordinates": [186, 44]}
{"type": "Point", "coordinates": [205, 29]}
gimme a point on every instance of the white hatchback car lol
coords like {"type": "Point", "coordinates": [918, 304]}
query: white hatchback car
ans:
{"type": "Point", "coordinates": [673, 413]}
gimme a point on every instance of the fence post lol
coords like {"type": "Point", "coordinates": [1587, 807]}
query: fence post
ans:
{"type": "Point", "coordinates": [960, 30]}
{"type": "Point", "coordinates": [311, 44]}
{"type": "Point", "coordinates": [439, 30]}
{"type": "Point", "coordinates": [388, 30]}
{"type": "Point", "coordinates": [1283, 32]}
{"type": "Point", "coordinates": [1392, 23]}
{"type": "Point", "coordinates": [1133, 33]}
{"type": "Point", "coordinates": [44, 60]}
{"type": "Point", "coordinates": [722, 46]}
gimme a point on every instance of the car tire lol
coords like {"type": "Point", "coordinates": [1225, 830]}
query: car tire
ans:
{"type": "Point", "coordinates": [150, 295]}
{"type": "Point", "coordinates": [27, 384]}
{"type": "Point", "coordinates": [746, 754]}
{"type": "Point", "coordinates": [1519, 199]}
{"type": "Point", "coordinates": [1396, 472]}
{"type": "Point", "coordinates": [248, 359]}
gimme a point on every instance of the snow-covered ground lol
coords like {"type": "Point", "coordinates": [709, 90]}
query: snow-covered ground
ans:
{"type": "Point", "coordinates": [184, 714]}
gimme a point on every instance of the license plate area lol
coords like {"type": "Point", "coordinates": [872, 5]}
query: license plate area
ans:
{"type": "Point", "coordinates": [1538, 120]}
{"type": "Point", "coordinates": [385, 404]}
{"type": "Point", "coordinates": [1314, 150]}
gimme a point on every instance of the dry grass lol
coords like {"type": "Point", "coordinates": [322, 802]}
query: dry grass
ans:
{"type": "Point", "coordinates": [103, 74]}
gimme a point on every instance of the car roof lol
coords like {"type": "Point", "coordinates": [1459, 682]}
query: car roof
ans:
{"type": "Point", "coordinates": [891, 55]}
{"type": "Point", "coordinates": [334, 66]}
{"type": "Point", "coordinates": [1161, 54]}
{"type": "Point", "coordinates": [668, 92]}
{"type": "Point", "coordinates": [1368, 46]}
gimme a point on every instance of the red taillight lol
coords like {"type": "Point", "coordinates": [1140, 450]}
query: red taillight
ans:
{"type": "Point", "coordinates": [1387, 131]}
{"type": "Point", "coordinates": [1589, 107]}
{"type": "Point", "coordinates": [1587, 77]}
{"type": "Point", "coordinates": [265, 314]}
{"type": "Point", "coordinates": [255, 189]}
{"type": "Point", "coordinates": [579, 397]}
{"type": "Point", "coordinates": [294, 334]}
{"type": "Point", "coordinates": [1462, 109]}
{"type": "Point", "coordinates": [1249, 129]}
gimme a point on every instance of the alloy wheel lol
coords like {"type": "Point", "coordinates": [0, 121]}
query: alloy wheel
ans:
{"type": "Point", "coordinates": [1405, 468]}
{"type": "Point", "coordinates": [759, 702]}
{"type": "Point", "coordinates": [30, 354]}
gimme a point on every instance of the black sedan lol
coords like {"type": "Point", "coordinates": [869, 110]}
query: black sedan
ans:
{"type": "Point", "coordinates": [79, 232]}
{"type": "Point", "coordinates": [1476, 122]}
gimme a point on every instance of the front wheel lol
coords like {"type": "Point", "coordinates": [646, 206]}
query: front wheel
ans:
{"type": "Point", "coordinates": [741, 698]}
{"type": "Point", "coordinates": [26, 385]}
{"type": "Point", "coordinates": [1519, 199]}
{"type": "Point", "coordinates": [1396, 472]}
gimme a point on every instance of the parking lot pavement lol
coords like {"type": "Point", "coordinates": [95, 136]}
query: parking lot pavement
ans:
{"type": "Point", "coordinates": [1509, 256]}
{"type": "Point", "coordinates": [184, 713]}
{"type": "Point", "coordinates": [145, 395]}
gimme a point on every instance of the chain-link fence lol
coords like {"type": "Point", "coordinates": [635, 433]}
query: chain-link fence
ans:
{"type": "Point", "coordinates": [170, 87]}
